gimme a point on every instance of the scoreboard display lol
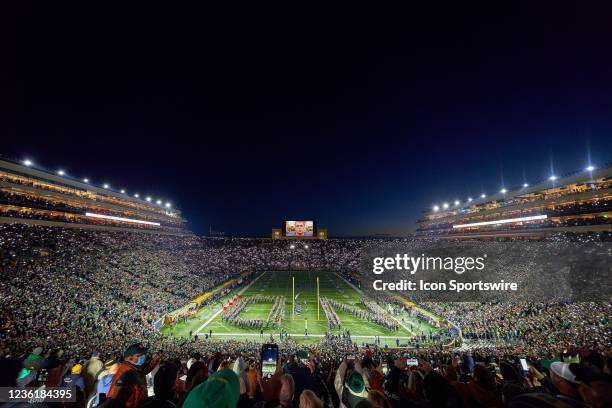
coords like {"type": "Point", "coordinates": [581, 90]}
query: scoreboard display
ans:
{"type": "Point", "coordinates": [298, 229]}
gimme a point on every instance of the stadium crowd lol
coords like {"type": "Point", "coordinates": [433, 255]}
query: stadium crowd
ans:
{"type": "Point", "coordinates": [531, 329]}
{"type": "Point", "coordinates": [332, 373]}
{"type": "Point", "coordinates": [74, 303]}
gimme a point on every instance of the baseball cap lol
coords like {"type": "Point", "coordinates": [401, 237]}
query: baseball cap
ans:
{"type": "Point", "coordinates": [563, 370]}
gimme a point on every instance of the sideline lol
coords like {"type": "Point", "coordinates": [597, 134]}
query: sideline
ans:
{"type": "Point", "coordinates": [214, 316]}
{"type": "Point", "coordinates": [267, 335]}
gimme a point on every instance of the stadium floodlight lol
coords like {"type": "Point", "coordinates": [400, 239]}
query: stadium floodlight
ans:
{"type": "Point", "coordinates": [106, 186]}
{"type": "Point", "coordinates": [457, 202]}
{"type": "Point", "coordinates": [122, 191]}
{"type": "Point", "coordinates": [159, 202]}
{"type": "Point", "coordinates": [504, 221]}
{"type": "Point", "coordinates": [552, 178]}
{"type": "Point", "coordinates": [85, 180]}
{"type": "Point", "coordinates": [148, 199]}
{"type": "Point", "coordinates": [436, 208]}
{"type": "Point", "coordinates": [292, 246]}
{"type": "Point", "coordinates": [445, 205]}
{"type": "Point", "coordinates": [525, 185]}
{"type": "Point", "coordinates": [168, 205]}
{"type": "Point", "coordinates": [483, 195]}
{"type": "Point", "coordinates": [27, 162]}
{"type": "Point", "coordinates": [470, 199]}
{"type": "Point", "coordinates": [503, 191]}
{"type": "Point", "coordinates": [590, 168]}
{"type": "Point", "coordinates": [61, 172]}
{"type": "Point", "coordinates": [136, 195]}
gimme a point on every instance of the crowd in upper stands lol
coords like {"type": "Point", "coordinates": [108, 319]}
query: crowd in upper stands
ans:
{"type": "Point", "coordinates": [75, 301]}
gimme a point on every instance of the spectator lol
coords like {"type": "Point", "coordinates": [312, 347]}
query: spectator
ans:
{"type": "Point", "coordinates": [92, 368]}
{"type": "Point", "coordinates": [163, 387]}
{"type": "Point", "coordinates": [221, 390]}
{"type": "Point", "coordinates": [30, 367]}
{"type": "Point", "coordinates": [128, 377]}
{"type": "Point", "coordinates": [565, 381]}
{"type": "Point", "coordinates": [104, 381]}
{"type": "Point", "coordinates": [378, 399]}
{"type": "Point", "coordinates": [309, 399]}
{"type": "Point", "coordinates": [287, 391]}
{"type": "Point", "coordinates": [194, 357]}
{"type": "Point", "coordinates": [75, 379]}
{"type": "Point", "coordinates": [479, 392]}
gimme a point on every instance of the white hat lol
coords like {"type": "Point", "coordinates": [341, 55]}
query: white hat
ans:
{"type": "Point", "coordinates": [562, 370]}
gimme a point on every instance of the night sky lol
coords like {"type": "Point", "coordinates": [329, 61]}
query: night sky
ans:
{"type": "Point", "coordinates": [359, 122]}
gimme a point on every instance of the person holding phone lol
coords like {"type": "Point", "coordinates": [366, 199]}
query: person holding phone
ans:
{"type": "Point", "coordinates": [269, 360]}
{"type": "Point", "coordinates": [270, 384]}
{"type": "Point", "coordinates": [524, 365]}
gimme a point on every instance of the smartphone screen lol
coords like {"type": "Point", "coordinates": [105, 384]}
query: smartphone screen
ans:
{"type": "Point", "coordinates": [385, 368]}
{"type": "Point", "coordinates": [412, 362]}
{"type": "Point", "coordinates": [269, 357]}
{"type": "Point", "coordinates": [524, 364]}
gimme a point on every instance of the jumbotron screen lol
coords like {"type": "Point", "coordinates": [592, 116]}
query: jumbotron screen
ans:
{"type": "Point", "coordinates": [299, 228]}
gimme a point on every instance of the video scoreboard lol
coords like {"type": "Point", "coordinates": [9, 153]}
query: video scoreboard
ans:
{"type": "Point", "coordinates": [303, 229]}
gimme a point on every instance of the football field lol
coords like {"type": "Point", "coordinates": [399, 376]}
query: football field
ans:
{"type": "Point", "coordinates": [306, 316]}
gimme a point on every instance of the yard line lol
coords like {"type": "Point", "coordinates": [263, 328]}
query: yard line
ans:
{"type": "Point", "coordinates": [220, 310]}
{"type": "Point", "coordinates": [267, 335]}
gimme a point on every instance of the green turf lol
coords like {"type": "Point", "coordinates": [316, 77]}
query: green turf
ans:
{"type": "Point", "coordinates": [279, 284]}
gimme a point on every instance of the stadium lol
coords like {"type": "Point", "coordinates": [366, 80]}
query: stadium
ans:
{"type": "Point", "coordinates": [252, 301]}
{"type": "Point", "coordinates": [287, 209]}
{"type": "Point", "coordinates": [111, 261]}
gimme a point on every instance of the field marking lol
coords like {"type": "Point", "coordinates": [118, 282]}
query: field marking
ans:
{"type": "Point", "coordinates": [349, 283]}
{"type": "Point", "coordinates": [214, 316]}
{"type": "Point", "coordinates": [313, 335]}
{"type": "Point", "coordinates": [272, 284]}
